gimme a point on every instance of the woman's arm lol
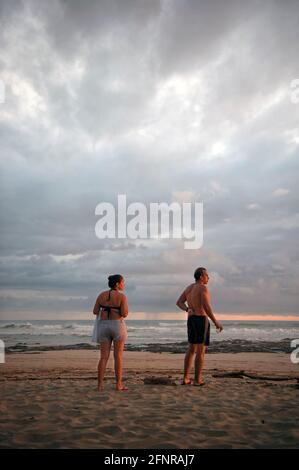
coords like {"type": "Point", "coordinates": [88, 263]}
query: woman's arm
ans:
{"type": "Point", "coordinates": [96, 307]}
{"type": "Point", "coordinates": [124, 309]}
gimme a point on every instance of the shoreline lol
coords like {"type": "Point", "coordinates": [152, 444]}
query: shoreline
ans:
{"type": "Point", "coordinates": [224, 346]}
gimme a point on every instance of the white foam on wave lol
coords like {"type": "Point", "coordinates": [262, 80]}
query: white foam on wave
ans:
{"type": "Point", "coordinates": [161, 331]}
{"type": "Point", "coordinates": [46, 329]}
{"type": "Point", "coordinates": [17, 325]}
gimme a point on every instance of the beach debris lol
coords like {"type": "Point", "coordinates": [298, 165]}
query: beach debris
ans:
{"type": "Point", "coordinates": [159, 381]}
{"type": "Point", "coordinates": [241, 374]}
{"type": "Point", "coordinates": [233, 374]}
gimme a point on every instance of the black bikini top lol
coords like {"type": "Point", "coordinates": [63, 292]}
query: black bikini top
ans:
{"type": "Point", "coordinates": [108, 308]}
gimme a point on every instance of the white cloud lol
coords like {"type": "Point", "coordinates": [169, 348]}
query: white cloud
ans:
{"type": "Point", "coordinates": [184, 196]}
{"type": "Point", "coordinates": [67, 258]}
{"type": "Point", "coordinates": [216, 279]}
{"type": "Point", "coordinates": [253, 207]}
{"type": "Point", "coordinates": [289, 223]}
{"type": "Point", "coordinates": [280, 192]}
{"type": "Point", "coordinates": [32, 294]}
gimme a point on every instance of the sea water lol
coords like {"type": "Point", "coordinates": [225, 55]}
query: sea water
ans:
{"type": "Point", "coordinates": [51, 333]}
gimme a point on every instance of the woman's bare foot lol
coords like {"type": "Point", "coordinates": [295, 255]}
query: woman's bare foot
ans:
{"type": "Point", "coordinates": [200, 383]}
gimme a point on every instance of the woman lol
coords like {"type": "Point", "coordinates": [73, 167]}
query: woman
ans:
{"type": "Point", "coordinates": [111, 308]}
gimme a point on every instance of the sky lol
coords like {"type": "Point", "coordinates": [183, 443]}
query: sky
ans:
{"type": "Point", "coordinates": [163, 101]}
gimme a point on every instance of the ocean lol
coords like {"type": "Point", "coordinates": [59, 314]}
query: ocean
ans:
{"type": "Point", "coordinates": [148, 335]}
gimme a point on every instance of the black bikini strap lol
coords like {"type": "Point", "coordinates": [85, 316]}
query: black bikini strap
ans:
{"type": "Point", "coordinates": [109, 308]}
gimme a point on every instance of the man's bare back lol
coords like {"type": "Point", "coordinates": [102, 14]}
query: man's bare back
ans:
{"type": "Point", "coordinates": [194, 296]}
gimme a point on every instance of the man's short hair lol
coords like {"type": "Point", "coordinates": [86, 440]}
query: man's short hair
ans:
{"type": "Point", "coordinates": [198, 273]}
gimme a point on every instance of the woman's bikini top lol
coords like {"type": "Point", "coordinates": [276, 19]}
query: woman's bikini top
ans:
{"type": "Point", "coordinates": [108, 308]}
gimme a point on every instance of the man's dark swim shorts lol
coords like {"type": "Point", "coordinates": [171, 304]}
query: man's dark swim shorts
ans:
{"type": "Point", "coordinates": [198, 327]}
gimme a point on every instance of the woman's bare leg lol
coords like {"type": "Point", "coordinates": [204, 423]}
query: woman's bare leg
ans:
{"type": "Point", "coordinates": [188, 361]}
{"type": "Point", "coordinates": [199, 363]}
{"type": "Point", "coordinates": [118, 364]}
{"type": "Point", "coordinates": [105, 348]}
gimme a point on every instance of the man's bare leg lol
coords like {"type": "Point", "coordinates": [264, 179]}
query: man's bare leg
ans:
{"type": "Point", "coordinates": [199, 363]}
{"type": "Point", "coordinates": [105, 348]}
{"type": "Point", "coordinates": [188, 362]}
{"type": "Point", "coordinates": [118, 364]}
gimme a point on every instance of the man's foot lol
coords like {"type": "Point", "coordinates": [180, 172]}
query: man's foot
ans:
{"type": "Point", "coordinates": [199, 384]}
{"type": "Point", "coordinates": [121, 388]}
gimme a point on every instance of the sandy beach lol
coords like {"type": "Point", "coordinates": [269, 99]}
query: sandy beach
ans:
{"type": "Point", "coordinates": [49, 400]}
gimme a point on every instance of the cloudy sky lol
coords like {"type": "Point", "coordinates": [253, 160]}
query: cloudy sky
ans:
{"type": "Point", "coordinates": [163, 101]}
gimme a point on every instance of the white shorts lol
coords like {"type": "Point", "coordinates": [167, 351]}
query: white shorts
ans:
{"type": "Point", "coordinates": [109, 330]}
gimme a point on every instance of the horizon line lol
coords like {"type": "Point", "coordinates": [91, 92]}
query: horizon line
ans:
{"type": "Point", "coordinates": [180, 316]}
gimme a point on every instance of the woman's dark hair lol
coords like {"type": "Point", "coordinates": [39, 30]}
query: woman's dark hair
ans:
{"type": "Point", "coordinates": [114, 279]}
{"type": "Point", "coordinates": [198, 273]}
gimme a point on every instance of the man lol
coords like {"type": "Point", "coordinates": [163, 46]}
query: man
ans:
{"type": "Point", "coordinates": [199, 309]}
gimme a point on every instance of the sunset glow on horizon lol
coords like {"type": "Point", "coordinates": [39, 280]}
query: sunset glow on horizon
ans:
{"type": "Point", "coordinates": [179, 316]}
{"type": "Point", "coordinates": [219, 316]}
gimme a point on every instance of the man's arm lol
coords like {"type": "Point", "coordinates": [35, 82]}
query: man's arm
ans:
{"type": "Point", "coordinates": [206, 303]}
{"type": "Point", "coordinates": [181, 302]}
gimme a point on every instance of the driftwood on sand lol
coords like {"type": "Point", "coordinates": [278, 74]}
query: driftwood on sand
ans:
{"type": "Point", "coordinates": [159, 381]}
{"type": "Point", "coordinates": [241, 374]}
